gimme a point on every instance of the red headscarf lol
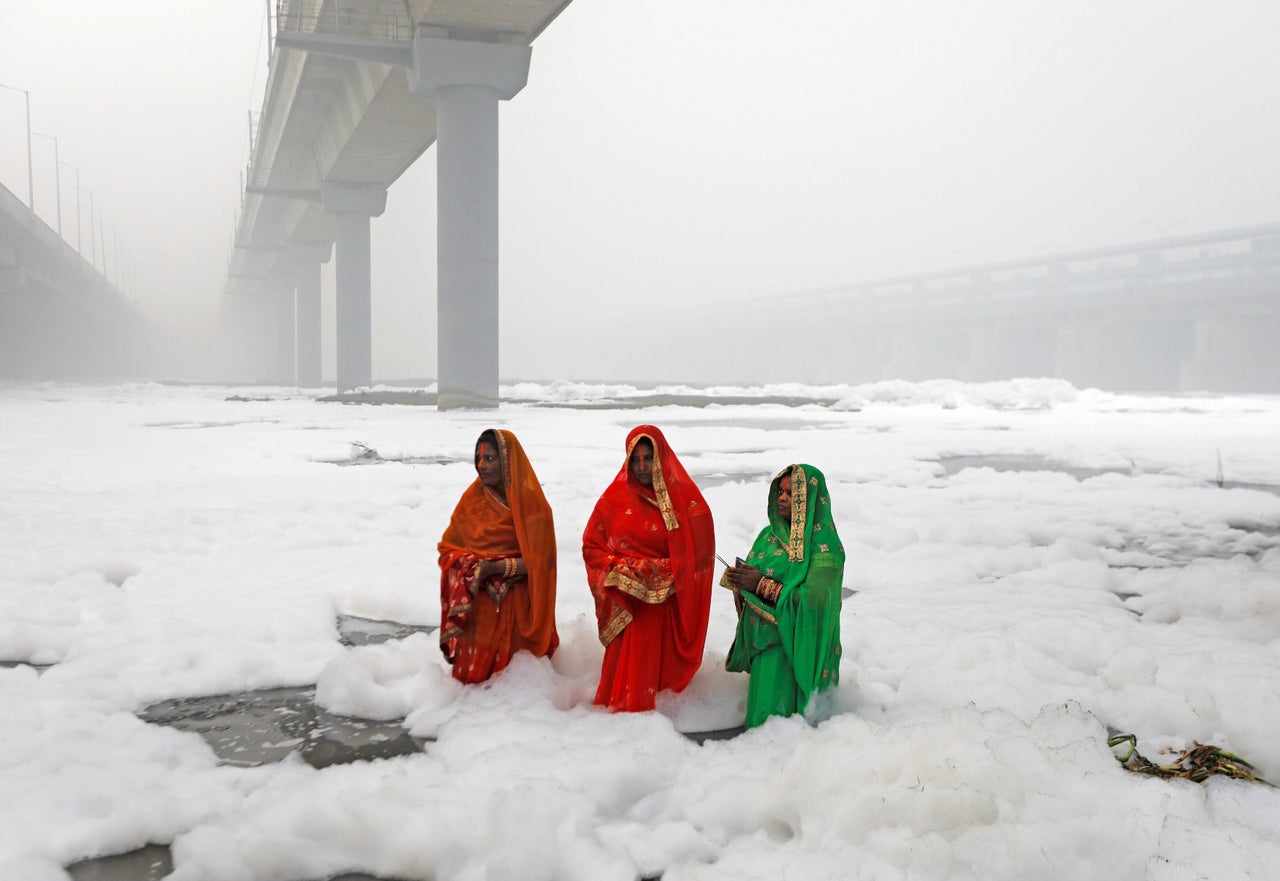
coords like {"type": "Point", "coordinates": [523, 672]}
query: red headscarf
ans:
{"type": "Point", "coordinates": [670, 521]}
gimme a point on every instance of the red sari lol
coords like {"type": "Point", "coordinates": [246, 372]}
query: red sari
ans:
{"type": "Point", "coordinates": [649, 555]}
{"type": "Point", "coordinates": [478, 635]}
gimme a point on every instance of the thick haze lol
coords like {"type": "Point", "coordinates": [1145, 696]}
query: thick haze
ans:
{"type": "Point", "coordinates": [676, 151]}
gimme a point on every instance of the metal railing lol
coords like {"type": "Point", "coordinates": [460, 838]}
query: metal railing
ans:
{"type": "Point", "coordinates": [348, 18]}
{"type": "Point", "coordinates": [1234, 260]}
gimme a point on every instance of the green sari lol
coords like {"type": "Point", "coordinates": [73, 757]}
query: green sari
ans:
{"type": "Point", "coordinates": [792, 648]}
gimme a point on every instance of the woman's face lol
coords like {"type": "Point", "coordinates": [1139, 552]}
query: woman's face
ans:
{"type": "Point", "coordinates": [641, 462]}
{"type": "Point", "coordinates": [488, 466]}
{"type": "Point", "coordinates": [782, 503]}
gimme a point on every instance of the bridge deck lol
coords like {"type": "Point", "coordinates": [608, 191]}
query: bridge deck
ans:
{"type": "Point", "coordinates": [328, 120]}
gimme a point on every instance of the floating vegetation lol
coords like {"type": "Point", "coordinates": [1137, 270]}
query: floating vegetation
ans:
{"type": "Point", "coordinates": [1198, 764]}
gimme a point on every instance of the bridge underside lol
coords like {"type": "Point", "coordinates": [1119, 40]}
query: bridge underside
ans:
{"type": "Point", "coordinates": [59, 318]}
{"type": "Point", "coordinates": [358, 90]}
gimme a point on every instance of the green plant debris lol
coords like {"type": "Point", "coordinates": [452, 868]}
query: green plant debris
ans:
{"type": "Point", "coordinates": [1198, 763]}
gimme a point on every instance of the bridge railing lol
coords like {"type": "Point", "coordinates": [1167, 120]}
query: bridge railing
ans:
{"type": "Point", "coordinates": [348, 18]}
{"type": "Point", "coordinates": [1147, 272]}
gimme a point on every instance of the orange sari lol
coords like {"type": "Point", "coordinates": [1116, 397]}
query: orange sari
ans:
{"type": "Point", "coordinates": [478, 635]}
{"type": "Point", "coordinates": [649, 554]}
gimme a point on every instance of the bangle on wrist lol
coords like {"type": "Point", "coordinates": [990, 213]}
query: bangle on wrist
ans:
{"type": "Point", "coordinates": [768, 590]}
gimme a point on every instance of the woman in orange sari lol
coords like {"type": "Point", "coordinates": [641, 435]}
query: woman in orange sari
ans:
{"type": "Point", "coordinates": [649, 547]}
{"type": "Point", "coordinates": [498, 565]}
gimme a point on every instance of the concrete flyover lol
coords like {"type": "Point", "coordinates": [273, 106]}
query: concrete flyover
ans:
{"type": "Point", "coordinates": [358, 90]}
{"type": "Point", "coordinates": [59, 316]}
{"type": "Point", "coordinates": [1188, 313]}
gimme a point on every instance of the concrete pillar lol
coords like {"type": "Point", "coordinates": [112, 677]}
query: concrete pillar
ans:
{"type": "Point", "coordinates": [1234, 354]}
{"type": "Point", "coordinates": [307, 260]}
{"type": "Point", "coordinates": [924, 351]}
{"type": "Point", "coordinates": [308, 321]}
{"type": "Point", "coordinates": [352, 208]}
{"type": "Point", "coordinates": [468, 79]}
{"type": "Point", "coordinates": [284, 366]}
{"type": "Point", "coordinates": [1007, 351]}
{"type": "Point", "coordinates": [1123, 355]}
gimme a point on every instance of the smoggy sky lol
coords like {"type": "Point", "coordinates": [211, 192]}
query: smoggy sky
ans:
{"type": "Point", "coordinates": [687, 150]}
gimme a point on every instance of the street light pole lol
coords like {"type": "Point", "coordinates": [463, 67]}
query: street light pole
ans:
{"type": "Point", "coordinates": [102, 231]}
{"type": "Point", "coordinates": [77, 171]}
{"type": "Point", "coordinates": [57, 177]}
{"type": "Point", "coordinates": [93, 236]}
{"type": "Point", "coordinates": [31, 187]}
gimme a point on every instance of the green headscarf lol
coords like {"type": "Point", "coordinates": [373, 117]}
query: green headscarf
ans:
{"type": "Point", "coordinates": [807, 558]}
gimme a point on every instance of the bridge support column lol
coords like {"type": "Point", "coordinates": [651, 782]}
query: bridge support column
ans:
{"type": "Point", "coordinates": [352, 208]}
{"type": "Point", "coordinates": [1130, 355]}
{"type": "Point", "coordinates": [307, 260]}
{"type": "Point", "coordinates": [308, 303]}
{"type": "Point", "coordinates": [922, 352]}
{"type": "Point", "coordinates": [468, 79]}
{"type": "Point", "coordinates": [997, 352]}
{"type": "Point", "coordinates": [1234, 354]}
{"type": "Point", "coordinates": [282, 316]}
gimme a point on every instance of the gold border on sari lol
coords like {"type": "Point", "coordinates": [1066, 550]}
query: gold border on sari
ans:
{"type": "Point", "coordinates": [504, 461]}
{"type": "Point", "coordinates": [617, 623]}
{"type": "Point", "coordinates": [799, 513]}
{"type": "Point", "coordinates": [632, 586]}
{"type": "Point", "coordinates": [497, 501]}
{"type": "Point", "coordinates": [659, 483]}
{"type": "Point", "coordinates": [761, 613]}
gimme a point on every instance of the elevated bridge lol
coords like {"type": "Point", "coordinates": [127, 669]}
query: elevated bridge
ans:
{"type": "Point", "coordinates": [1189, 313]}
{"type": "Point", "coordinates": [357, 91]}
{"type": "Point", "coordinates": [59, 316]}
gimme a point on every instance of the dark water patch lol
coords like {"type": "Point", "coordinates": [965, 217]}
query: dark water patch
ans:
{"type": "Point", "coordinates": [1260, 487]}
{"type": "Point", "coordinates": [155, 862]}
{"type": "Point", "coordinates": [362, 454]}
{"type": "Point", "coordinates": [706, 481]}
{"type": "Point", "coordinates": [148, 863]}
{"type": "Point", "coordinates": [1264, 530]}
{"type": "Point", "coordinates": [846, 592]}
{"type": "Point", "coordinates": [354, 630]}
{"type": "Point", "coordinates": [260, 727]}
{"type": "Point", "coordinates": [640, 402]}
{"type": "Point", "coordinates": [406, 460]}
{"type": "Point", "coordinates": [1155, 552]}
{"type": "Point", "coordinates": [953, 465]}
{"type": "Point", "coordinates": [39, 668]}
{"type": "Point", "coordinates": [211, 424]}
{"type": "Point", "coordinates": [701, 737]}
{"type": "Point", "coordinates": [762, 423]}
{"type": "Point", "coordinates": [409, 398]}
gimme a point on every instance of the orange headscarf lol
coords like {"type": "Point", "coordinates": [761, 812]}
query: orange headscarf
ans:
{"type": "Point", "coordinates": [482, 526]}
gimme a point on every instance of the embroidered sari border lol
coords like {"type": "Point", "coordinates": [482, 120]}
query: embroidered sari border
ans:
{"type": "Point", "coordinates": [659, 483]}
{"type": "Point", "coordinates": [632, 586]}
{"type": "Point", "coordinates": [617, 623]}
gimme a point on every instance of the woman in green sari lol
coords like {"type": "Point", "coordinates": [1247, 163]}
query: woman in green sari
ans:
{"type": "Point", "coordinates": [788, 596]}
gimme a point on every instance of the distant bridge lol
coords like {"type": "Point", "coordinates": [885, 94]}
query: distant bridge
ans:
{"type": "Point", "coordinates": [59, 316]}
{"type": "Point", "coordinates": [1189, 313]}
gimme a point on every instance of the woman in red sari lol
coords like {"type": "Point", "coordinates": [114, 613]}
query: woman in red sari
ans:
{"type": "Point", "coordinates": [649, 548]}
{"type": "Point", "coordinates": [498, 565]}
